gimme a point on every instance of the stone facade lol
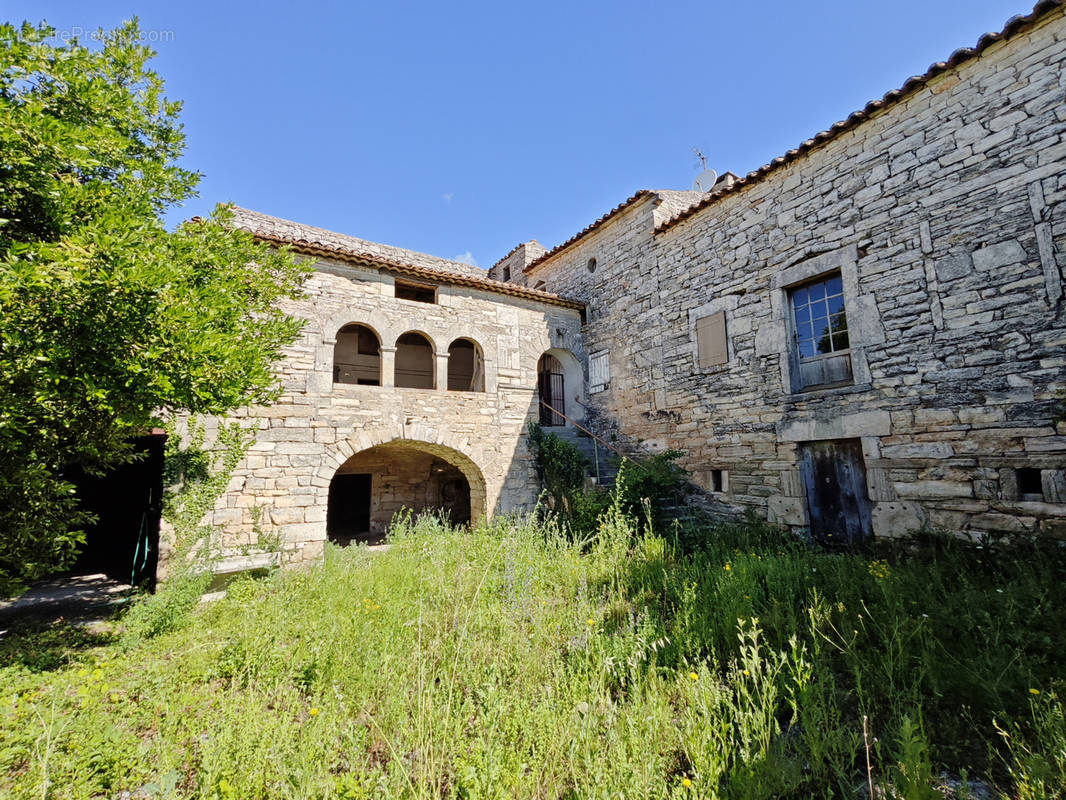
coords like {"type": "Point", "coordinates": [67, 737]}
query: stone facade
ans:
{"type": "Point", "coordinates": [304, 439]}
{"type": "Point", "coordinates": [937, 214]}
{"type": "Point", "coordinates": [942, 214]}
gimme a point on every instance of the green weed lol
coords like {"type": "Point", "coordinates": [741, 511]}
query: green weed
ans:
{"type": "Point", "coordinates": [512, 661]}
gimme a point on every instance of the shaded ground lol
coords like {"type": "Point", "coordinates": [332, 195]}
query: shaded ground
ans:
{"type": "Point", "coordinates": [69, 596]}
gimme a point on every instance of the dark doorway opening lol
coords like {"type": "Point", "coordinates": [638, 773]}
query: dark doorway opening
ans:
{"type": "Point", "coordinates": [551, 386]}
{"type": "Point", "coordinates": [455, 498]}
{"type": "Point", "coordinates": [127, 502]}
{"type": "Point", "coordinates": [835, 477]}
{"type": "Point", "coordinates": [348, 509]}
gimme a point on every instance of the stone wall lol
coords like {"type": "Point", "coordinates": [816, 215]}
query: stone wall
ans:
{"type": "Point", "coordinates": [317, 425]}
{"type": "Point", "coordinates": [943, 214]}
{"type": "Point", "coordinates": [408, 478]}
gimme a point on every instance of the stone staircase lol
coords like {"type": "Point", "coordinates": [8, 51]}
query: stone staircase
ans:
{"type": "Point", "coordinates": [592, 451]}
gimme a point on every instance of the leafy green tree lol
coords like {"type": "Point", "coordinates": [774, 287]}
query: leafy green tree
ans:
{"type": "Point", "coordinates": [108, 321]}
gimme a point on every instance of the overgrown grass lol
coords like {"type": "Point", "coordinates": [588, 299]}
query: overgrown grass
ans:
{"type": "Point", "coordinates": [511, 662]}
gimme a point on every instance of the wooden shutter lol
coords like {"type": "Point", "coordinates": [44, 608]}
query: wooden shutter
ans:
{"type": "Point", "coordinates": [711, 343]}
{"type": "Point", "coordinates": [599, 372]}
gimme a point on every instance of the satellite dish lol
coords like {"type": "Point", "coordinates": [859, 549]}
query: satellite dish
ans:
{"type": "Point", "coordinates": [705, 180]}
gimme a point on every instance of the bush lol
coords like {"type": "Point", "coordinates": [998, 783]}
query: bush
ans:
{"type": "Point", "coordinates": [643, 490]}
{"type": "Point", "coordinates": [656, 482]}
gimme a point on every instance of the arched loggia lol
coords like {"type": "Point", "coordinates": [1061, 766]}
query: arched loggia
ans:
{"type": "Point", "coordinates": [357, 356]}
{"type": "Point", "coordinates": [466, 366]}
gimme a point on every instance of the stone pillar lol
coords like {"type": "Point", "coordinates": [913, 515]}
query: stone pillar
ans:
{"type": "Point", "coordinates": [320, 379]}
{"type": "Point", "coordinates": [442, 372]}
{"type": "Point", "coordinates": [388, 367]}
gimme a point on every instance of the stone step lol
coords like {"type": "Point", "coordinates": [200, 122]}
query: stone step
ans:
{"type": "Point", "coordinates": [588, 448]}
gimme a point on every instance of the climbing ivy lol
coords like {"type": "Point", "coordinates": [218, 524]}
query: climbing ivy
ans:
{"type": "Point", "coordinates": [194, 478]}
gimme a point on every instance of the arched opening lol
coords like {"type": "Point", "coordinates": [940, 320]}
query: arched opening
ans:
{"type": "Point", "coordinates": [466, 367]}
{"type": "Point", "coordinates": [357, 356]}
{"type": "Point", "coordinates": [414, 362]}
{"type": "Point", "coordinates": [551, 383]}
{"type": "Point", "coordinates": [372, 486]}
{"type": "Point", "coordinates": [559, 383]}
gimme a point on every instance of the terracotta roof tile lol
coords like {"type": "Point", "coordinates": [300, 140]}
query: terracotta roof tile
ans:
{"type": "Point", "coordinates": [673, 199]}
{"type": "Point", "coordinates": [640, 195]}
{"type": "Point", "coordinates": [321, 242]}
{"type": "Point", "coordinates": [1013, 25]}
{"type": "Point", "coordinates": [264, 224]}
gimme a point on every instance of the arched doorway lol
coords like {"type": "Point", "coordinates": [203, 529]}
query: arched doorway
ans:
{"type": "Point", "coordinates": [551, 384]}
{"type": "Point", "coordinates": [357, 356]}
{"type": "Point", "coordinates": [414, 362]}
{"type": "Point", "coordinates": [375, 484]}
{"type": "Point", "coordinates": [466, 367]}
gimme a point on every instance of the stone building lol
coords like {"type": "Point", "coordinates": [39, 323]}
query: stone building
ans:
{"type": "Point", "coordinates": [410, 387]}
{"type": "Point", "coordinates": [860, 338]}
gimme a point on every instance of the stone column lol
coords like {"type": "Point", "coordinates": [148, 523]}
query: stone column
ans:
{"type": "Point", "coordinates": [388, 367]}
{"type": "Point", "coordinates": [442, 372]}
{"type": "Point", "coordinates": [320, 379]}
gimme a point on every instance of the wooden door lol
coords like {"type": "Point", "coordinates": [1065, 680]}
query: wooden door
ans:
{"type": "Point", "coordinates": [835, 477]}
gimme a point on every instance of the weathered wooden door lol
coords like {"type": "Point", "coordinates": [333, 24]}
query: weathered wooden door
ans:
{"type": "Point", "coordinates": [552, 390]}
{"type": "Point", "coordinates": [835, 477]}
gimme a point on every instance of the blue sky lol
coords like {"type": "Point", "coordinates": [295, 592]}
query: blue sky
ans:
{"type": "Point", "coordinates": [464, 128]}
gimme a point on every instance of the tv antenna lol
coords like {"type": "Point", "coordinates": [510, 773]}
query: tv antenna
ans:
{"type": "Point", "coordinates": [706, 179]}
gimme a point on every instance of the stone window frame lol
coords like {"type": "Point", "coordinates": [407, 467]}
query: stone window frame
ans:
{"type": "Point", "coordinates": [727, 305]}
{"type": "Point", "coordinates": [416, 288]}
{"type": "Point", "coordinates": [864, 323]}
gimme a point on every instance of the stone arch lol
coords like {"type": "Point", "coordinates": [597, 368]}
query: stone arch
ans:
{"type": "Point", "coordinates": [560, 376]}
{"type": "Point", "coordinates": [466, 365]}
{"type": "Point", "coordinates": [440, 444]}
{"type": "Point", "coordinates": [357, 355]}
{"type": "Point", "coordinates": [375, 320]}
{"type": "Point", "coordinates": [416, 360]}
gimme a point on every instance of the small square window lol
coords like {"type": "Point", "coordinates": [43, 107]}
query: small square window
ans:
{"type": "Point", "coordinates": [1030, 484]}
{"type": "Point", "coordinates": [419, 292]}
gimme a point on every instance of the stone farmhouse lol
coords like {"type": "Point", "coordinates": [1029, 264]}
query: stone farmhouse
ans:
{"type": "Point", "coordinates": [861, 338]}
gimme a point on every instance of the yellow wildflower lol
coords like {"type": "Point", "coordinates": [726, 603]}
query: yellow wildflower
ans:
{"type": "Point", "coordinates": [313, 712]}
{"type": "Point", "coordinates": [686, 782]}
{"type": "Point", "coordinates": [879, 569]}
{"type": "Point", "coordinates": [694, 676]}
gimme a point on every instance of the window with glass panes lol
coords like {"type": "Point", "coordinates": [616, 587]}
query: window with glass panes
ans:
{"type": "Point", "coordinates": [821, 324]}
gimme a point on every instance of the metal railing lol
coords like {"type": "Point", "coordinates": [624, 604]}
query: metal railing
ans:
{"type": "Point", "coordinates": [596, 441]}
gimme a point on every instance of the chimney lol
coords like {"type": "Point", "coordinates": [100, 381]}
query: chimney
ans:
{"type": "Point", "coordinates": [509, 268]}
